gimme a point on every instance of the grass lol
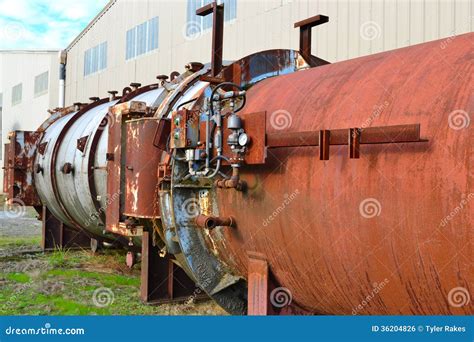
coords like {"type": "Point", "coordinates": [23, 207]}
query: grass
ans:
{"type": "Point", "coordinates": [67, 282]}
{"type": "Point", "coordinates": [18, 277]}
{"type": "Point", "coordinates": [9, 241]}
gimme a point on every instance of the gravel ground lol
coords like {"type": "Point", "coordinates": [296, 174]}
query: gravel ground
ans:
{"type": "Point", "coordinates": [18, 221]}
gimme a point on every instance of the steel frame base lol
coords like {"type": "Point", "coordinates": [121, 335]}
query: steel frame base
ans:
{"type": "Point", "coordinates": [261, 287]}
{"type": "Point", "coordinates": [162, 281]}
{"type": "Point", "coordinates": [56, 235]}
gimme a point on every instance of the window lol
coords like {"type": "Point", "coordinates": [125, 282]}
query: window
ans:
{"type": "Point", "coordinates": [95, 59]}
{"type": "Point", "coordinates": [142, 38]}
{"type": "Point", "coordinates": [16, 94]}
{"type": "Point", "coordinates": [41, 83]}
{"type": "Point", "coordinates": [196, 24]}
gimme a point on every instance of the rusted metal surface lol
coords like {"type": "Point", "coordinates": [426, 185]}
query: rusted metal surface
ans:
{"type": "Point", "coordinates": [255, 126]}
{"type": "Point", "coordinates": [129, 94]}
{"type": "Point", "coordinates": [324, 142]}
{"type": "Point", "coordinates": [161, 280]}
{"type": "Point", "coordinates": [114, 172]}
{"type": "Point", "coordinates": [258, 286]}
{"type": "Point", "coordinates": [305, 27]}
{"type": "Point", "coordinates": [19, 168]}
{"type": "Point", "coordinates": [141, 164]}
{"type": "Point", "coordinates": [162, 134]}
{"type": "Point", "coordinates": [56, 235]}
{"type": "Point", "coordinates": [6, 167]}
{"type": "Point", "coordinates": [217, 11]}
{"type": "Point", "coordinates": [72, 177]}
{"type": "Point", "coordinates": [210, 273]}
{"type": "Point", "coordinates": [370, 135]}
{"type": "Point", "coordinates": [211, 222]}
{"type": "Point", "coordinates": [77, 206]}
{"type": "Point", "coordinates": [122, 181]}
{"type": "Point", "coordinates": [184, 129]}
{"type": "Point", "coordinates": [323, 247]}
{"type": "Point", "coordinates": [265, 64]}
{"type": "Point", "coordinates": [354, 143]}
{"type": "Point", "coordinates": [304, 218]}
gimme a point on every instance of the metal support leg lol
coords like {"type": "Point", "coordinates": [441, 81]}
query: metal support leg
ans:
{"type": "Point", "coordinates": [162, 281]}
{"type": "Point", "coordinates": [56, 235]}
{"type": "Point", "coordinates": [258, 286]}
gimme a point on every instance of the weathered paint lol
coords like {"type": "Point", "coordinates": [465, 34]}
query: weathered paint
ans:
{"type": "Point", "coordinates": [306, 216]}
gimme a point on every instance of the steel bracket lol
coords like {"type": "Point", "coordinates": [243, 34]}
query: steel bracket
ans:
{"type": "Point", "coordinates": [305, 35]}
{"type": "Point", "coordinates": [217, 33]}
{"type": "Point", "coordinates": [353, 137]}
{"type": "Point", "coordinates": [258, 286]}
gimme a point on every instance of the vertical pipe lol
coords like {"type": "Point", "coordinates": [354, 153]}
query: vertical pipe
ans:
{"type": "Point", "coordinates": [62, 78]}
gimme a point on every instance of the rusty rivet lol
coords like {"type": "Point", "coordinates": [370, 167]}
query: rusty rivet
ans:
{"type": "Point", "coordinates": [38, 168]}
{"type": "Point", "coordinates": [77, 106]}
{"type": "Point", "coordinates": [135, 85]}
{"type": "Point", "coordinates": [173, 75]}
{"type": "Point", "coordinates": [194, 66]}
{"type": "Point", "coordinates": [67, 168]}
{"type": "Point", "coordinates": [113, 94]}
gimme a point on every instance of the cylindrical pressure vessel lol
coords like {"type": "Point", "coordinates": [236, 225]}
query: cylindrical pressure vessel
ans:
{"type": "Point", "coordinates": [71, 172]}
{"type": "Point", "coordinates": [389, 233]}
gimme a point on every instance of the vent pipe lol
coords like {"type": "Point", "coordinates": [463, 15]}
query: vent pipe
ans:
{"type": "Point", "coordinates": [62, 78]}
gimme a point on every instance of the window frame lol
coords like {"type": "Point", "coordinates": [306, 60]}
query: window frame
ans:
{"type": "Point", "coordinates": [95, 59]}
{"type": "Point", "coordinates": [42, 91]}
{"type": "Point", "coordinates": [17, 101]}
{"type": "Point", "coordinates": [142, 39]}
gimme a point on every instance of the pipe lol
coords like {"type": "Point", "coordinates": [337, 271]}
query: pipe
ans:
{"type": "Point", "coordinates": [211, 222]}
{"type": "Point", "coordinates": [233, 183]}
{"type": "Point", "coordinates": [62, 78]}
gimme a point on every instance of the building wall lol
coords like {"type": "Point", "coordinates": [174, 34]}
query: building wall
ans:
{"type": "Point", "coordinates": [22, 67]}
{"type": "Point", "coordinates": [356, 28]}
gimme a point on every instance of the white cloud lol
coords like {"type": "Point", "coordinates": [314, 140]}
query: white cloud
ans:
{"type": "Point", "coordinates": [43, 24]}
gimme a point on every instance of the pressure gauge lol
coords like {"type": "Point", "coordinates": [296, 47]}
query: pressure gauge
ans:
{"type": "Point", "coordinates": [243, 139]}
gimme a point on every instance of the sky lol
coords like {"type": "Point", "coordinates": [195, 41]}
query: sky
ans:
{"type": "Point", "coordinates": [44, 24]}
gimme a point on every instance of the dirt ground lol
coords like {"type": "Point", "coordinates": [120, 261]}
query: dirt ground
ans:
{"type": "Point", "coordinates": [71, 282]}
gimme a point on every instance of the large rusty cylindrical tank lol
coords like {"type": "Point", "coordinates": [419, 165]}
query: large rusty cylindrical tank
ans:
{"type": "Point", "coordinates": [70, 165]}
{"type": "Point", "coordinates": [387, 233]}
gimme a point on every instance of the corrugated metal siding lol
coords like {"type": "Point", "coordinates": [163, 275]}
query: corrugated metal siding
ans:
{"type": "Point", "coordinates": [356, 28]}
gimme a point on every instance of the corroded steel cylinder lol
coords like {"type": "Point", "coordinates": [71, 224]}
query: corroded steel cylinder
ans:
{"type": "Point", "coordinates": [71, 172]}
{"type": "Point", "coordinates": [389, 233]}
